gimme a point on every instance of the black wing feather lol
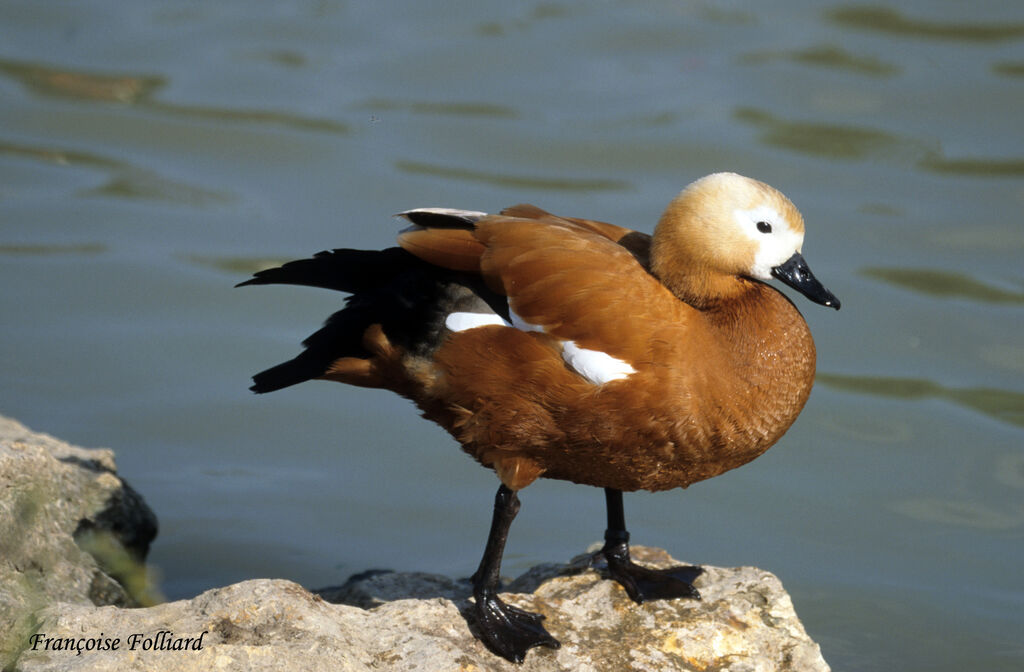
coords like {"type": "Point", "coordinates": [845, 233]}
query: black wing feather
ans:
{"type": "Point", "coordinates": [408, 297]}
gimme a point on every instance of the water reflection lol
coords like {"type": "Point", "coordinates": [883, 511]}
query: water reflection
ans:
{"type": "Point", "coordinates": [979, 167]}
{"type": "Point", "coordinates": [851, 142]}
{"type": "Point", "coordinates": [945, 284]}
{"type": "Point", "coordinates": [1003, 405]}
{"type": "Point", "coordinates": [59, 157]}
{"type": "Point", "coordinates": [451, 108]}
{"type": "Point", "coordinates": [991, 238]}
{"type": "Point", "coordinates": [1010, 357]}
{"type": "Point", "coordinates": [887, 20]}
{"type": "Point", "coordinates": [253, 116]}
{"type": "Point", "coordinates": [139, 90]}
{"type": "Point", "coordinates": [63, 83]}
{"type": "Point", "coordinates": [124, 179]}
{"type": "Point", "coordinates": [541, 12]}
{"type": "Point", "coordinates": [236, 266]}
{"type": "Point", "coordinates": [510, 181]}
{"type": "Point", "coordinates": [48, 249]}
{"type": "Point", "coordinates": [826, 56]}
{"type": "Point", "coordinates": [962, 512]}
{"type": "Point", "coordinates": [1009, 68]}
{"type": "Point", "coordinates": [1010, 470]}
{"type": "Point", "coordinates": [877, 430]}
{"type": "Point", "coordinates": [131, 182]}
{"type": "Point", "coordinates": [881, 210]}
{"type": "Point", "coordinates": [829, 140]}
{"type": "Point", "coordinates": [286, 57]}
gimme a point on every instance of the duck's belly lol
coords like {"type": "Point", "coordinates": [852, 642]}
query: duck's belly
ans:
{"type": "Point", "coordinates": [610, 437]}
{"type": "Point", "coordinates": [656, 447]}
{"type": "Point", "coordinates": [656, 429]}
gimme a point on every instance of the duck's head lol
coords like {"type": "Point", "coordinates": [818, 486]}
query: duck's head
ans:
{"type": "Point", "coordinates": [725, 226]}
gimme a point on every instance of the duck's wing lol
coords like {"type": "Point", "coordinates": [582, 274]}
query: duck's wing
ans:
{"type": "Point", "coordinates": [571, 278]}
{"type": "Point", "coordinates": [444, 236]}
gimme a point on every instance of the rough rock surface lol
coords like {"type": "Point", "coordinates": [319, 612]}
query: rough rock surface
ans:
{"type": "Point", "coordinates": [70, 530]}
{"type": "Point", "coordinates": [745, 623]}
{"type": "Point", "coordinates": [50, 589]}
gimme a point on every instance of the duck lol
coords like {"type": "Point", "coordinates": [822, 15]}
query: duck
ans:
{"type": "Point", "coordinates": [578, 350]}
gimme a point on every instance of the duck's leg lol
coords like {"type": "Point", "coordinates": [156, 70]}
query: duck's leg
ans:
{"type": "Point", "coordinates": [641, 583]}
{"type": "Point", "coordinates": [506, 630]}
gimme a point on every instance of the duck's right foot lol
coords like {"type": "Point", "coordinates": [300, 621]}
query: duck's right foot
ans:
{"type": "Point", "coordinates": [509, 631]}
{"type": "Point", "coordinates": [643, 584]}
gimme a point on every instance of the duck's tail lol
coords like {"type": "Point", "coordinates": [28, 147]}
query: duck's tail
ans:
{"type": "Point", "coordinates": [397, 308]}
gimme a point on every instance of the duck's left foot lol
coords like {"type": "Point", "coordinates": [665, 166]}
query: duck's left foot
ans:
{"type": "Point", "coordinates": [644, 584]}
{"type": "Point", "coordinates": [509, 631]}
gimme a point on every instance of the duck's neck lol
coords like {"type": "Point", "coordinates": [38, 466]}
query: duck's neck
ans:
{"type": "Point", "coordinates": [701, 289]}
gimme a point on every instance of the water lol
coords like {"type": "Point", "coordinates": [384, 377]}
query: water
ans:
{"type": "Point", "coordinates": [154, 154]}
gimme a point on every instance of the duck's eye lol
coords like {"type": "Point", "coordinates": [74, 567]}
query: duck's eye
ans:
{"type": "Point", "coordinates": [764, 227]}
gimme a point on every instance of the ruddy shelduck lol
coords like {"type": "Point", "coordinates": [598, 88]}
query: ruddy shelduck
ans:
{"type": "Point", "coordinates": [568, 348]}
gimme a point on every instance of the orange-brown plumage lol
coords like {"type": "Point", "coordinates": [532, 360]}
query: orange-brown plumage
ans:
{"type": "Point", "coordinates": [573, 349]}
{"type": "Point", "coordinates": [713, 388]}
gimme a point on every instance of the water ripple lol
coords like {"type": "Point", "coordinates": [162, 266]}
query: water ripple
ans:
{"type": "Point", "coordinates": [238, 266]}
{"type": "Point", "coordinates": [46, 249]}
{"type": "Point", "coordinates": [511, 181]}
{"type": "Point", "coordinates": [450, 108]}
{"type": "Point", "coordinates": [1003, 405]}
{"type": "Point", "coordinates": [124, 179]}
{"type": "Point", "coordinates": [63, 83]}
{"type": "Point", "coordinates": [978, 167]}
{"type": "Point", "coordinates": [826, 56]}
{"type": "Point", "coordinates": [885, 20]}
{"type": "Point", "coordinates": [139, 90]}
{"type": "Point", "coordinates": [943, 284]}
{"type": "Point", "coordinates": [1010, 470]}
{"type": "Point", "coordinates": [1009, 68]}
{"type": "Point", "coordinates": [830, 140]}
{"type": "Point", "coordinates": [962, 512]}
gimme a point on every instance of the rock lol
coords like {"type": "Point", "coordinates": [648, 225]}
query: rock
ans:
{"type": "Point", "coordinates": [416, 621]}
{"type": "Point", "coordinates": [53, 591]}
{"type": "Point", "coordinates": [71, 531]}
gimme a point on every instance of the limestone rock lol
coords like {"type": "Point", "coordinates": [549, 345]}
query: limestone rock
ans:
{"type": "Point", "coordinates": [70, 530]}
{"type": "Point", "coordinates": [72, 535]}
{"type": "Point", "coordinates": [413, 621]}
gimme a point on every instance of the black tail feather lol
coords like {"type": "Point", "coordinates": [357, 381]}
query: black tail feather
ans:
{"type": "Point", "coordinates": [343, 270]}
{"type": "Point", "coordinates": [406, 296]}
{"type": "Point", "coordinates": [341, 336]}
{"type": "Point", "coordinates": [292, 372]}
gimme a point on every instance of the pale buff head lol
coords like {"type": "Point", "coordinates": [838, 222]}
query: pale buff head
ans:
{"type": "Point", "coordinates": [726, 224]}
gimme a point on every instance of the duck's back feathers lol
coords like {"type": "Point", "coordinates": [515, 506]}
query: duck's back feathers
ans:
{"type": "Point", "coordinates": [448, 238]}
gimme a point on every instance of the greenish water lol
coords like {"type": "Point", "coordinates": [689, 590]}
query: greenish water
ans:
{"type": "Point", "coordinates": [153, 154]}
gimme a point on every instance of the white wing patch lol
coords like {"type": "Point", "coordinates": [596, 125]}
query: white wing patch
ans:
{"type": "Point", "coordinates": [464, 321]}
{"type": "Point", "coordinates": [595, 366]}
{"type": "Point", "coordinates": [521, 324]}
{"type": "Point", "coordinates": [468, 216]}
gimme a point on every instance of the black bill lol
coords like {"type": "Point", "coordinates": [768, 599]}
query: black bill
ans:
{"type": "Point", "coordinates": [797, 274]}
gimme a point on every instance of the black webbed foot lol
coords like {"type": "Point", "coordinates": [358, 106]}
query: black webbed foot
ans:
{"type": "Point", "coordinates": [506, 630]}
{"type": "Point", "coordinates": [642, 583]}
{"type": "Point", "coordinates": [509, 631]}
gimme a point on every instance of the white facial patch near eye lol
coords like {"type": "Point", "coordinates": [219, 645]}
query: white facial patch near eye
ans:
{"type": "Point", "coordinates": [773, 248]}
